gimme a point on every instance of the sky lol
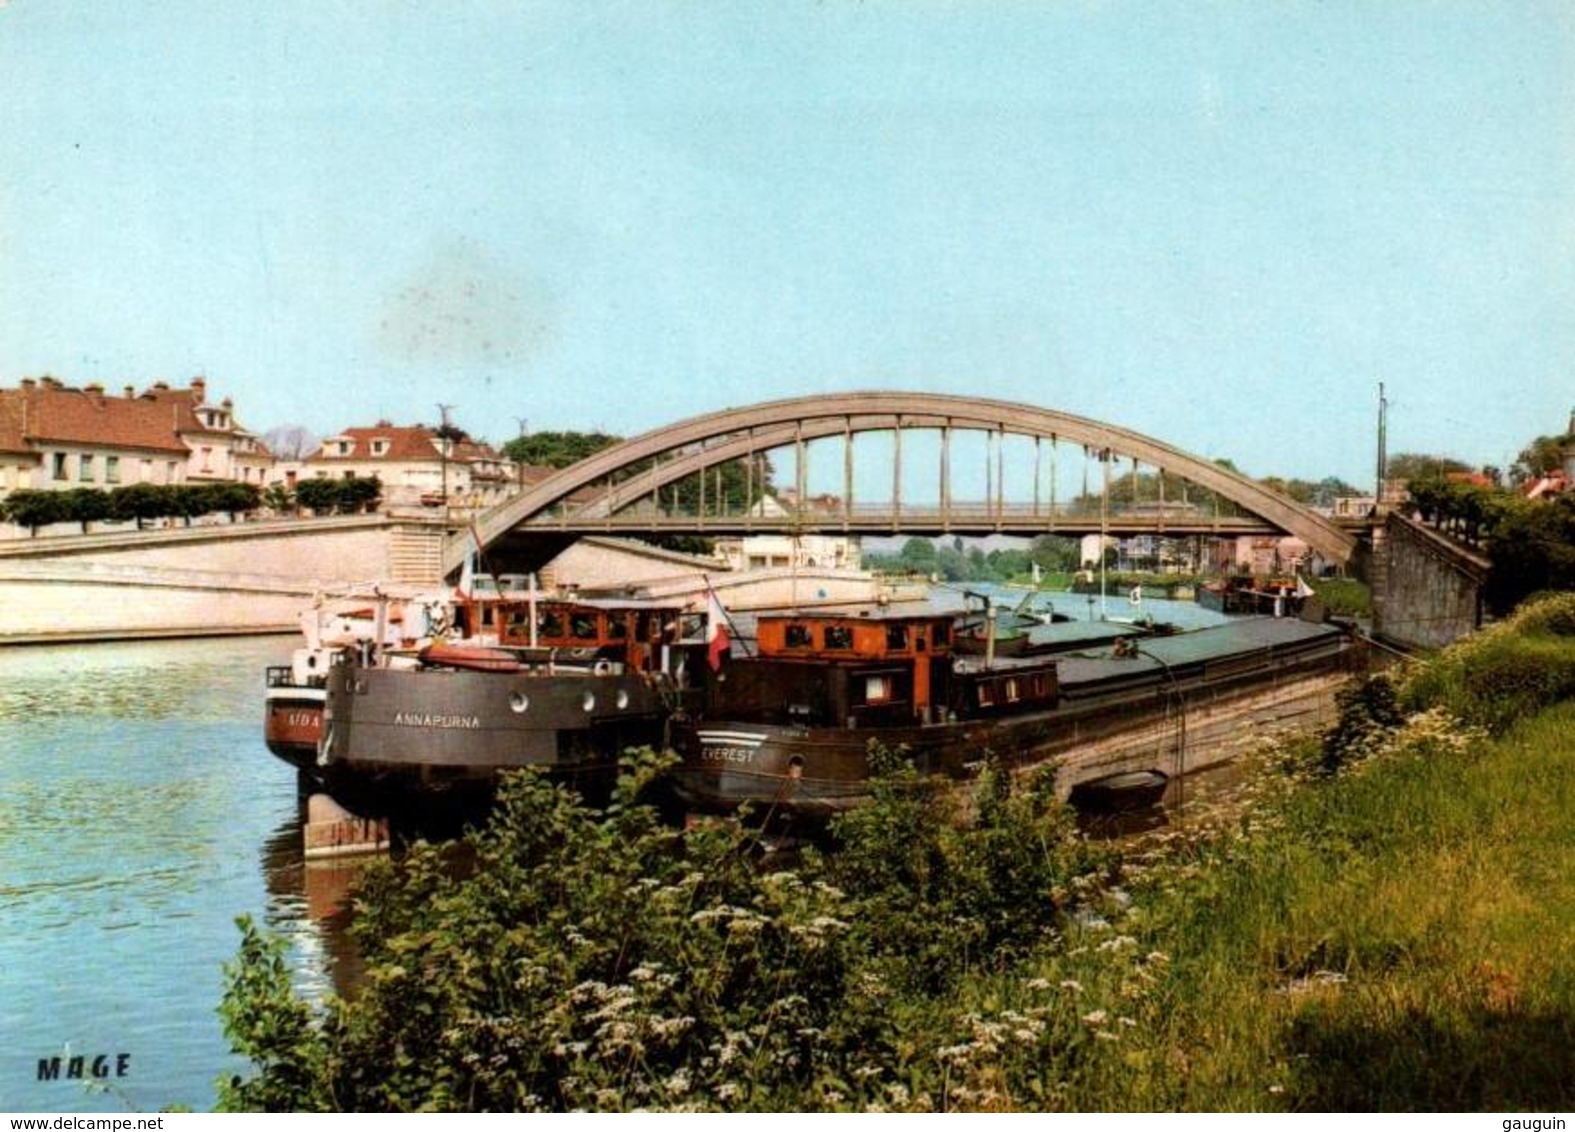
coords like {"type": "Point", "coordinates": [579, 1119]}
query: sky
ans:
{"type": "Point", "coordinates": [1221, 224]}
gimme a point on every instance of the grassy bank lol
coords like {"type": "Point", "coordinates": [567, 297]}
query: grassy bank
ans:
{"type": "Point", "coordinates": [1380, 925]}
{"type": "Point", "coordinates": [1391, 940]}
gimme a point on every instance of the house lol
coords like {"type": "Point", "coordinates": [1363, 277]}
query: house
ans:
{"type": "Point", "coordinates": [57, 437]}
{"type": "Point", "coordinates": [804, 551]}
{"type": "Point", "coordinates": [420, 467]}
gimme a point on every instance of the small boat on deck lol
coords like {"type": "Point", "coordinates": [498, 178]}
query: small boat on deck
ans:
{"type": "Point", "coordinates": [1120, 793]}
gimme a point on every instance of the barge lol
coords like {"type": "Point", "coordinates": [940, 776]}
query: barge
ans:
{"type": "Point", "coordinates": [561, 685]}
{"type": "Point", "coordinates": [790, 729]}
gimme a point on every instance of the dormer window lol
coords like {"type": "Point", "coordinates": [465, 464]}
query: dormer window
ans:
{"type": "Point", "coordinates": [380, 447]}
{"type": "Point", "coordinates": [344, 447]}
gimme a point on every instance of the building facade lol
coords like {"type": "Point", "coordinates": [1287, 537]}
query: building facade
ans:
{"type": "Point", "coordinates": [417, 466]}
{"type": "Point", "coordinates": [55, 437]}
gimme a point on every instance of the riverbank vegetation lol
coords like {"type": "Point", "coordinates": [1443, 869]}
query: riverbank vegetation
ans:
{"type": "Point", "coordinates": [1377, 925]}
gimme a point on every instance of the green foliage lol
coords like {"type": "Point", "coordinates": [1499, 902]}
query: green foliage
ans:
{"type": "Point", "coordinates": [974, 564]}
{"type": "Point", "coordinates": [32, 508]}
{"type": "Point", "coordinates": [269, 1025]}
{"type": "Point", "coordinates": [604, 960]}
{"type": "Point", "coordinates": [343, 496]}
{"type": "Point", "coordinates": [1510, 670]}
{"type": "Point", "coordinates": [1369, 713]}
{"type": "Point", "coordinates": [138, 501]}
{"type": "Point", "coordinates": [1541, 456]}
{"type": "Point", "coordinates": [1344, 597]}
{"type": "Point", "coordinates": [1532, 545]}
{"type": "Point", "coordinates": [557, 449]}
{"type": "Point", "coordinates": [1409, 466]}
{"type": "Point", "coordinates": [278, 498]}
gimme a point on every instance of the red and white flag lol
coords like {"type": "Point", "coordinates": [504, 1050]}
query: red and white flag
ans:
{"type": "Point", "coordinates": [717, 640]}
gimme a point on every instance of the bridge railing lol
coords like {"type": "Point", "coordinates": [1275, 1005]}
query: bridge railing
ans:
{"type": "Point", "coordinates": [1154, 518]}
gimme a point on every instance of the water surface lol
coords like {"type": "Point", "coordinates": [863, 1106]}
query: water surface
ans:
{"type": "Point", "coordinates": [140, 813]}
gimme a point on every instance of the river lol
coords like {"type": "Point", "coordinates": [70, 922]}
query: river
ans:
{"type": "Point", "coordinates": [140, 814]}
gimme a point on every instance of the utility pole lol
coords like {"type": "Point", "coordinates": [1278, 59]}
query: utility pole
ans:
{"type": "Point", "coordinates": [519, 463]}
{"type": "Point", "coordinates": [1383, 456]}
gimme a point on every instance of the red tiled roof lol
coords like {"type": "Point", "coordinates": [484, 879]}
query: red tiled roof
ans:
{"type": "Point", "coordinates": [406, 444]}
{"type": "Point", "coordinates": [58, 414]}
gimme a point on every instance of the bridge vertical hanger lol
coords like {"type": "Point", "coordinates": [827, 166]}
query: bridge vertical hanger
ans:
{"type": "Point", "coordinates": [896, 479]}
{"type": "Point", "coordinates": [800, 473]}
{"type": "Point", "coordinates": [847, 471]}
{"type": "Point", "coordinates": [989, 472]}
{"type": "Point", "coordinates": [946, 475]}
{"type": "Point", "coordinates": [749, 481]}
{"type": "Point", "coordinates": [1038, 459]}
{"type": "Point", "coordinates": [1055, 455]}
{"type": "Point", "coordinates": [1000, 474]}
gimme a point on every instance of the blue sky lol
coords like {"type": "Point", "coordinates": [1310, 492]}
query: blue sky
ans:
{"type": "Point", "coordinates": [1218, 223]}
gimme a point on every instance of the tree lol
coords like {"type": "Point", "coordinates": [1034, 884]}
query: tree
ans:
{"type": "Point", "coordinates": [278, 498]}
{"type": "Point", "coordinates": [139, 502]}
{"type": "Point", "coordinates": [291, 442]}
{"type": "Point", "coordinates": [85, 505]}
{"type": "Point", "coordinates": [557, 449]}
{"type": "Point", "coordinates": [1541, 456]}
{"type": "Point", "coordinates": [32, 509]}
{"type": "Point", "coordinates": [1410, 465]}
{"type": "Point", "coordinates": [359, 494]}
{"type": "Point", "coordinates": [1532, 545]}
{"type": "Point", "coordinates": [319, 496]}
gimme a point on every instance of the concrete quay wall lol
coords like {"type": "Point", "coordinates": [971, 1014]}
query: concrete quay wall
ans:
{"type": "Point", "coordinates": [1220, 726]}
{"type": "Point", "coordinates": [58, 604]}
{"type": "Point", "coordinates": [1429, 589]}
{"type": "Point", "coordinates": [202, 581]}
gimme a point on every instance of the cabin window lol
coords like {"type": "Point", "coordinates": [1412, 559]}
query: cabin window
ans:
{"type": "Point", "coordinates": [838, 637]}
{"type": "Point", "coordinates": [551, 625]}
{"type": "Point", "coordinates": [896, 638]}
{"type": "Point", "coordinates": [617, 626]}
{"type": "Point", "coordinates": [797, 637]}
{"type": "Point", "coordinates": [879, 689]}
{"type": "Point", "coordinates": [986, 693]}
{"type": "Point", "coordinates": [583, 627]}
{"type": "Point", "coordinates": [1009, 686]}
{"type": "Point", "coordinates": [940, 632]}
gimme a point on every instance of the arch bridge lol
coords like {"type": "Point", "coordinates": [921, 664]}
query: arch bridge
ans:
{"type": "Point", "coordinates": [671, 480]}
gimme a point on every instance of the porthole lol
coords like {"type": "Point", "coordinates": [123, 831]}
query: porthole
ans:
{"type": "Point", "coordinates": [588, 701]}
{"type": "Point", "coordinates": [622, 699]}
{"type": "Point", "coordinates": [519, 702]}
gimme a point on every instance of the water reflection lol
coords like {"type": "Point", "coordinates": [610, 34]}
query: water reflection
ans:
{"type": "Point", "coordinates": [310, 903]}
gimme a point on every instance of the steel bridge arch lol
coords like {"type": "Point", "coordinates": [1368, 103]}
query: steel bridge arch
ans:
{"type": "Point", "coordinates": [715, 438]}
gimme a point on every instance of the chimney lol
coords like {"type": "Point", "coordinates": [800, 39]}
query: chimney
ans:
{"type": "Point", "coordinates": [50, 382]}
{"type": "Point", "coordinates": [130, 392]}
{"type": "Point", "coordinates": [28, 383]}
{"type": "Point", "coordinates": [199, 386]}
{"type": "Point", "coordinates": [94, 387]}
{"type": "Point", "coordinates": [161, 386]}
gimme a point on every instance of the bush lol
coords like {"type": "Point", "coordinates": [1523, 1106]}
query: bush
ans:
{"type": "Point", "coordinates": [1512, 669]}
{"type": "Point", "coordinates": [603, 960]}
